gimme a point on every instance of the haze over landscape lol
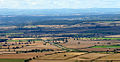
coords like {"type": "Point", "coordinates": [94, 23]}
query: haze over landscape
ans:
{"type": "Point", "coordinates": [59, 31]}
{"type": "Point", "coordinates": [58, 4]}
{"type": "Point", "coordinates": [58, 7]}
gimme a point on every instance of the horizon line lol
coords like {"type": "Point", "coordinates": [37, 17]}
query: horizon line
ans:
{"type": "Point", "coordinates": [63, 8]}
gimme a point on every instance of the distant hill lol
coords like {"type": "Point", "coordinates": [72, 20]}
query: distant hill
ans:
{"type": "Point", "coordinates": [55, 20]}
{"type": "Point", "coordinates": [56, 16]}
{"type": "Point", "coordinates": [58, 12]}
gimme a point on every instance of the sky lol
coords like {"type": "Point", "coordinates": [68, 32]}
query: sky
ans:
{"type": "Point", "coordinates": [58, 4]}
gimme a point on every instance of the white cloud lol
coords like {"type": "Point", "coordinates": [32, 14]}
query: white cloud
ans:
{"type": "Point", "coordinates": [34, 3]}
{"type": "Point", "coordinates": [53, 4]}
{"type": "Point", "coordinates": [1, 1]}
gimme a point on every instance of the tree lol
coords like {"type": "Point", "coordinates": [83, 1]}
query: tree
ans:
{"type": "Point", "coordinates": [77, 38]}
{"type": "Point", "coordinates": [66, 40]}
{"type": "Point", "coordinates": [74, 38]}
{"type": "Point", "coordinates": [44, 44]}
{"type": "Point", "coordinates": [8, 47]}
{"type": "Point", "coordinates": [108, 43]}
{"type": "Point", "coordinates": [98, 42]}
{"type": "Point", "coordinates": [78, 42]}
{"type": "Point", "coordinates": [14, 50]}
{"type": "Point", "coordinates": [65, 55]}
{"type": "Point", "coordinates": [107, 51]}
{"type": "Point", "coordinates": [5, 42]}
{"type": "Point", "coordinates": [115, 51]}
{"type": "Point", "coordinates": [33, 41]}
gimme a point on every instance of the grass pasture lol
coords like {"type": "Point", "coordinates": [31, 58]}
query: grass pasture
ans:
{"type": "Point", "coordinates": [12, 60]}
{"type": "Point", "coordinates": [107, 46]}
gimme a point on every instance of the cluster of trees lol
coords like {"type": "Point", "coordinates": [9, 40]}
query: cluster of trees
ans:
{"type": "Point", "coordinates": [35, 50]}
{"type": "Point", "coordinates": [3, 40]}
{"type": "Point", "coordinates": [20, 42]}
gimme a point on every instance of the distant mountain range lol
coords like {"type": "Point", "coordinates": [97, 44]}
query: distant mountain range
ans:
{"type": "Point", "coordinates": [60, 12]}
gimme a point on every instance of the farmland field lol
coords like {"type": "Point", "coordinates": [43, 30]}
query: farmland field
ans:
{"type": "Point", "coordinates": [107, 46]}
{"type": "Point", "coordinates": [61, 35]}
{"type": "Point", "coordinates": [89, 56]}
{"type": "Point", "coordinates": [85, 44]}
{"type": "Point", "coordinates": [23, 55]}
{"type": "Point", "coordinates": [113, 36]}
{"type": "Point", "coordinates": [99, 38]}
{"type": "Point", "coordinates": [52, 61]}
{"type": "Point", "coordinates": [12, 60]}
{"type": "Point", "coordinates": [60, 56]}
{"type": "Point", "coordinates": [111, 57]}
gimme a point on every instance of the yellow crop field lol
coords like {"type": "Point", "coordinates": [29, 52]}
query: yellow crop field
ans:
{"type": "Point", "coordinates": [60, 56]}
{"type": "Point", "coordinates": [89, 56]}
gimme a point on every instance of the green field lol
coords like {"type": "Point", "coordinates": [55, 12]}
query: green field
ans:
{"type": "Point", "coordinates": [107, 46]}
{"type": "Point", "coordinates": [16, 40]}
{"type": "Point", "coordinates": [12, 60]}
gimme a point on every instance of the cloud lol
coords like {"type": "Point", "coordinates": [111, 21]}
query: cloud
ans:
{"type": "Point", "coordinates": [56, 4]}
{"type": "Point", "coordinates": [1, 1]}
{"type": "Point", "coordinates": [34, 3]}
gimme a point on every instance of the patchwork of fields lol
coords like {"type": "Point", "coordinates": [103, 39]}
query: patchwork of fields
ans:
{"type": "Point", "coordinates": [85, 35]}
{"type": "Point", "coordinates": [60, 49]}
{"type": "Point", "coordinates": [79, 57]}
